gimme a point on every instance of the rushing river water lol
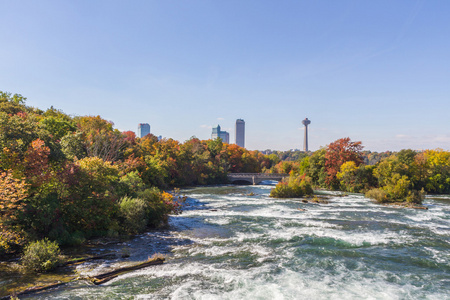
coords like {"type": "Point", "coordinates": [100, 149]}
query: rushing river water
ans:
{"type": "Point", "coordinates": [228, 244]}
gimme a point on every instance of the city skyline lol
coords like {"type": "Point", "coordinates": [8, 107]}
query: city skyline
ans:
{"type": "Point", "coordinates": [374, 71]}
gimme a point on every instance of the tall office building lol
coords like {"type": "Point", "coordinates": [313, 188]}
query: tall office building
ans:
{"type": "Point", "coordinates": [225, 136]}
{"type": "Point", "coordinates": [143, 129]}
{"type": "Point", "coordinates": [217, 133]}
{"type": "Point", "coordinates": [240, 133]}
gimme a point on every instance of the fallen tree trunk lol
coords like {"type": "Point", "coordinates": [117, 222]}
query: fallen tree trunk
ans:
{"type": "Point", "coordinates": [105, 277]}
{"type": "Point", "coordinates": [33, 290]}
{"type": "Point", "coordinates": [99, 279]}
{"type": "Point", "coordinates": [420, 207]}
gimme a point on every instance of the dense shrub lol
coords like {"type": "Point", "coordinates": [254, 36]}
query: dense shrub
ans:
{"type": "Point", "coordinates": [130, 184]}
{"type": "Point", "coordinates": [378, 194]}
{"type": "Point", "coordinates": [389, 194]}
{"type": "Point", "coordinates": [415, 196]}
{"type": "Point", "coordinates": [294, 187]}
{"type": "Point", "coordinates": [355, 179]}
{"type": "Point", "coordinates": [134, 214]}
{"type": "Point", "coordinates": [41, 256]}
{"type": "Point", "coordinates": [159, 205]}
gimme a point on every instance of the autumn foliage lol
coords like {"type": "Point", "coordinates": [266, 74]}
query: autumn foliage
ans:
{"type": "Point", "coordinates": [338, 153]}
{"type": "Point", "coordinates": [71, 178]}
{"type": "Point", "coordinates": [13, 192]}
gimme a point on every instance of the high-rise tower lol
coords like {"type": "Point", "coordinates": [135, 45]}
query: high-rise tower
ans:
{"type": "Point", "coordinates": [240, 133]}
{"type": "Point", "coordinates": [215, 132]}
{"type": "Point", "coordinates": [223, 135]}
{"type": "Point", "coordinates": [143, 129]}
{"type": "Point", "coordinates": [306, 122]}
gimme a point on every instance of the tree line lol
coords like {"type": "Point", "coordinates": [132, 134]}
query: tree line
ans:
{"type": "Point", "coordinates": [71, 178]}
{"type": "Point", "coordinates": [404, 176]}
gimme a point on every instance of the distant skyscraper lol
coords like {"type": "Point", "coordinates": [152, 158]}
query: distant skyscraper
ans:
{"type": "Point", "coordinates": [225, 136]}
{"type": "Point", "coordinates": [306, 122]}
{"type": "Point", "coordinates": [240, 133]}
{"type": "Point", "coordinates": [217, 133]}
{"type": "Point", "coordinates": [143, 129]}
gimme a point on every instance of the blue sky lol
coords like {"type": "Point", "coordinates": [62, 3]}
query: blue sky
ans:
{"type": "Point", "coordinates": [375, 71]}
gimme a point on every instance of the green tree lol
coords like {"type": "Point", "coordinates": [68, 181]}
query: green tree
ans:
{"type": "Point", "coordinates": [316, 169]}
{"type": "Point", "coordinates": [57, 127]}
{"type": "Point", "coordinates": [72, 146]}
{"type": "Point", "coordinates": [8, 97]}
{"type": "Point", "coordinates": [356, 179]}
{"type": "Point", "coordinates": [438, 162]}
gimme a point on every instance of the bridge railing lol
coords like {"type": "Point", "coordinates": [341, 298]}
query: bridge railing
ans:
{"type": "Point", "coordinates": [258, 174]}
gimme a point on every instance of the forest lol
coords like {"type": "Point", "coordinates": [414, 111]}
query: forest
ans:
{"type": "Point", "coordinates": [69, 178]}
{"type": "Point", "coordinates": [72, 178]}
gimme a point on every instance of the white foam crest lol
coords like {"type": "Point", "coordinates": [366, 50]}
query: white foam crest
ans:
{"type": "Point", "coordinates": [266, 187]}
{"type": "Point", "coordinates": [232, 250]}
{"type": "Point", "coordinates": [261, 283]}
{"type": "Point", "coordinates": [213, 251]}
{"type": "Point", "coordinates": [435, 221]}
{"type": "Point", "coordinates": [319, 224]}
{"type": "Point", "coordinates": [170, 270]}
{"type": "Point", "coordinates": [356, 238]}
{"type": "Point", "coordinates": [438, 229]}
{"type": "Point", "coordinates": [219, 221]}
{"type": "Point", "coordinates": [442, 257]}
{"type": "Point", "coordinates": [314, 228]}
{"type": "Point", "coordinates": [420, 217]}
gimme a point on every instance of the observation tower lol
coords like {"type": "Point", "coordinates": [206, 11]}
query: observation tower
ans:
{"type": "Point", "coordinates": [306, 122]}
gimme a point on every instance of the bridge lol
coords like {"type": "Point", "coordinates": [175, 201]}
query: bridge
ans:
{"type": "Point", "coordinates": [254, 178]}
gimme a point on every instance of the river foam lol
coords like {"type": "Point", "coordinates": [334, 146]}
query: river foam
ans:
{"type": "Point", "coordinates": [237, 243]}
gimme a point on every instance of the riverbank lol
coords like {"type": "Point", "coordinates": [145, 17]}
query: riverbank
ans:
{"type": "Point", "coordinates": [109, 255]}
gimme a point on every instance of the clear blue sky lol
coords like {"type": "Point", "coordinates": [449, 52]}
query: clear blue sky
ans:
{"type": "Point", "coordinates": [375, 71]}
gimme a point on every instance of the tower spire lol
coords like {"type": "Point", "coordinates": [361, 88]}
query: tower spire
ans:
{"type": "Point", "coordinates": [306, 122]}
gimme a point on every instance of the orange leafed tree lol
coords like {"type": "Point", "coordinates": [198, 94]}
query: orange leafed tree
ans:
{"type": "Point", "coordinates": [337, 153]}
{"type": "Point", "coordinates": [36, 162]}
{"type": "Point", "coordinates": [12, 193]}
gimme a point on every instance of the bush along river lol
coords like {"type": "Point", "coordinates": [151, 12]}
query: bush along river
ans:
{"type": "Point", "coordinates": [234, 242]}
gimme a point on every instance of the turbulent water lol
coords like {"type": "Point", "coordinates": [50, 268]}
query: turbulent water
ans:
{"type": "Point", "coordinates": [229, 244]}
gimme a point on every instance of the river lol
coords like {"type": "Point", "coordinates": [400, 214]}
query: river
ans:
{"type": "Point", "coordinates": [231, 244]}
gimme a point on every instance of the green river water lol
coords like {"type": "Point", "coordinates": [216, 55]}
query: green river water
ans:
{"type": "Point", "coordinates": [230, 245]}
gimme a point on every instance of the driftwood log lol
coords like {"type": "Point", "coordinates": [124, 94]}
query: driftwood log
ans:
{"type": "Point", "coordinates": [420, 207]}
{"type": "Point", "coordinates": [99, 279]}
{"type": "Point", "coordinates": [32, 290]}
{"type": "Point", "coordinates": [105, 277]}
